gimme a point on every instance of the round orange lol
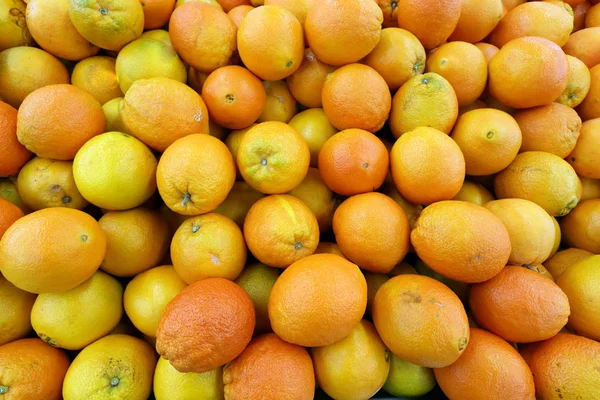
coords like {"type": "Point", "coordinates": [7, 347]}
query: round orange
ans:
{"type": "Point", "coordinates": [581, 228]}
{"type": "Point", "coordinates": [157, 13]}
{"type": "Point", "coordinates": [589, 108]}
{"type": "Point", "coordinates": [238, 13]}
{"type": "Point", "coordinates": [390, 12]}
{"type": "Point", "coordinates": [281, 105]}
{"type": "Point", "coordinates": [477, 20]}
{"type": "Point", "coordinates": [488, 50]}
{"type": "Point", "coordinates": [306, 84]}
{"type": "Point", "coordinates": [8, 215]}
{"type": "Point", "coordinates": [585, 45]}
{"type": "Point", "coordinates": [13, 155]}
{"type": "Point", "coordinates": [578, 83]}
{"type": "Point", "coordinates": [316, 130]}
{"type": "Point", "coordinates": [430, 20]}
{"type": "Point", "coordinates": [97, 76]}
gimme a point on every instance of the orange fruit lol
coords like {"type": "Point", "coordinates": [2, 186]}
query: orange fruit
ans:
{"type": "Point", "coordinates": [281, 229]}
{"type": "Point", "coordinates": [586, 150]}
{"type": "Point", "coordinates": [539, 18]}
{"type": "Point", "coordinates": [238, 13]}
{"type": "Point", "coordinates": [477, 20]}
{"type": "Point", "coordinates": [476, 105]}
{"type": "Point", "coordinates": [232, 141]}
{"type": "Point", "coordinates": [235, 97]}
{"type": "Point", "coordinates": [203, 35]}
{"type": "Point", "coordinates": [238, 202]}
{"type": "Point", "coordinates": [343, 33]}
{"type": "Point", "coordinates": [280, 105]}
{"type": "Point", "coordinates": [585, 45]}
{"type": "Point", "coordinates": [270, 368]}
{"type": "Point", "coordinates": [345, 110]}
{"type": "Point", "coordinates": [13, 155]}
{"type": "Point", "coordinates": [566, 367]}
{"type": "Point", "coordinates": [353, 161]}
{"type": "Point", "coordinates": [540, 77]}
{"type": "Point", "coordinates": [303, 292]}
{"type": "Point", "coordinates": [9, 214]}
{"type": "Point", "coordinates": [589, 107]}
{"type": "Point", "coordinates": [189, 187]}
{"type": "Point", "coordinates": [51, 27]}
{"type": "Point", "coordinates": [579, 14]}
{"type": "Point", "coordinates": [527, 178]}
{"type": "Point", "coordinates": [257, 280]}
{"type": "Point", "coordinates": [270, 42]}
{"type": "Point", "coordinates": [488, 50]}
{"type": "Point", "coordinates": [16, 307]}
{"type": "Point", "coordinates": [297, 7]}
{"type": "Point", "coordinates": [31, 369]}
{"type": "Point", "coordinates": [97, 76]}
{"type": "Point", "coordinates": [481, 249]}
{"type": "Point", "coordinates": [29, 250]}
{"type": "Point", "coordinates": [157, 13]}
{"type": "Point", "coordinates": [592, 18]}
{"type": "Point", "coordinates": [427, 166]}
{"type": "Point", "coordinates": [56, 120]}
{"type": "Point", "coordinates": [431, 21]}
{"type": "Point", "coordinates": [147, 111]}
{"type": "Point", "coordinates": [390, 13]}
{"type": "Point", "coordinates": [487, 359]}
{"type": "Point", "coordinates": [273, 157]}
{"type": "Point", "coordinates": [578, 83]}
{"type": "Point", "coordinates": [205, 326]}
{"type": "Point", "coordinates": [450, 60]}
{"type": "Point", "coordinates": [411, 210]}
{"type": "Point", "coordinates": [329, 248]}
{"type": "Point", "coordinates": [14, 25]}
{"type": "Point", "coordinates": [306, 84]}
{"type": "Point", "coordinates": [397, 57]}
{"type": "Point", "coordinates": [553, 128]}
{"type": "Point", "coordinates": [114, 122]}
{"type": "Point", "coordinates": [510, 4]}
{"type": "Point", "coordinates": [474, 193]}
{"type": "Point", "coordinates": [24, 69]}
{"type": "Point", "coordinates": [421, 320]}
{"type": "Point", "coordinates": [424, 100]}
{"type": "Point", "coordinates": [591, 188]}
{"type": "Point", "coordinates": [9, 191]}
{"type": "Point", "coordinates": [315, 128]}
{"type": "Point", "coordinates": [228, 5]}
{"type": "Point", "coordinates": [359, 224]}
{"type": "Point", "coordinates": [581, 229]}
{"type": "Point", "coordinates": [318, 197]}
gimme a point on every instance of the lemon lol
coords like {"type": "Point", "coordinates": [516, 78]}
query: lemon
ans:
{"type": "Point", "coordinates": [315, 128]}
{"type": "Point", "coordinates": [157, 34]}
{"type": "Point", "coordinates": [113, 116]}
{"type": "Point", "coordinates": [15, 308]}
{"type": "Point", "coordinates": [407, 379]}
{"type": "Point", "coordinates": [9, 192]}
{"type": "Point", "coordinates": [170, 384]}
{"type": "Point", "coordinates": [258, 280]}
{"type": "Point", "coordinates": [115, 171]}
{"type": "Point", "coordinates": [213, 2]}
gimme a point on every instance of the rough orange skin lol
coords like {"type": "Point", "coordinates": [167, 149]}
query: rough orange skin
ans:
{"type": "Point", "coordinates": [281, 229]}
{"type": "Point", "coordinates": [13, 155]}
{"type": "Point", "coordinates": [35, 249]}
{"type": "Point", "coordinates": [9, 213]}
{"type": "Point", "coordinates": [306, 84]}
{"type": "Point", "coordinates": [520, 305]}
{"type": "Point", "coordinates": [488, 50]}
{"type": "Point", "coordinates": [353, 161]}
{"type": "Point", "coordinates": [356, 96]}
{"type": "Point", "coordinates": [270, 368]}
{"type": "Point", "coordinates": [585, 45]}
{"type": "Point", "coordinates": [427, 166]}
{"type": "Point", "coordinates": [590, 106]}
{"type": "Point", "coordinates": [304, 311]}
{"type": "Point", "coordinates": [157, 13]}
{"type": "Point", "coordinates": [538, 78]}
{"type": "Point", "coordinates": [421, 320]}
{"type": "Point", "coordinates": [489, 369]}
{"type": "Point", "coordinates": [56, 120]}
{"type": "Point", "coordinates": [372, 231]}
{"type": "Point", "coordinates": [341, 33]}
{"type": "Point", "coordinates": [581, 228]}
{"type": "Point", "coordinates": [478, 18]}
{"type": "Point", "coordinates": [566, 367]}
{"type": "Point", "coordinates": [32, 370]}
{"type": "Point", "coordinates": [206, 325]}
{"type": "Point", "coordinates": [462, 241]}
{"type": "Point", "coordinates": [431, 21]}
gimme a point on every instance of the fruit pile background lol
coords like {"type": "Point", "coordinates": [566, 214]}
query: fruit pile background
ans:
{"type": "Point", "coordinates": [298, 199]}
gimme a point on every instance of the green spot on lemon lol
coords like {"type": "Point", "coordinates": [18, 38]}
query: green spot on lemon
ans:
{"type": "Point", "coordinates": [114, 382]}
{"type": "Point", "coordinates": [425, 81]}
{"type": "Point", "coordinates": [264, 161]}
{"type": "Point", "coordinates": [3, 389]}
{"type": "Point", "coordinates": [103, 11]}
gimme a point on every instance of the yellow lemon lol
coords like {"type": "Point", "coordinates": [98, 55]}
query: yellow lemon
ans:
{"type": "Point", "coordinates": [408, 379]}
{"type": "Point", "coordinates": [258, 280]}
{"type": "Point", "coordinates": [170, 384]}
{"type": "Point", "coordinates": [15, 308]}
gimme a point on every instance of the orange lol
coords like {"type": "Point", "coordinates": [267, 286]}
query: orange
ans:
{"type": "Point", "coordinates": [557, 237]}
{"type": "Point", "coordinates": [411, 210]}
{"type": "Point", "coordinates": [461, 241]}
{"type": "Point", "coordinates": [461, 289]}
{"type": "Point", "coordinates": [583, 156]}
{"type": "Point", "coordinates": [190, 187]}
{"type": "Point", "coordinates": [13, 155]}
{"type": "Point", "coordinates": [345, 109]}
{"type": "Point", "coordinates": [527, 178]}
{"type": "Point", "coordinates": [510, 4]}
{"type": "Point", "coordinates": [372, 231]}
{"type": "Point", "coordinates": [9, 214]}
{"type": "Point", "coordinates": [590, 106]}
{"type": "Point", "coordinates": [474, 193]}
{"type": "Point", "coordinates": [238, 13]}
{"type": "Point", "coordinates": [580, 12]}
{"type": "Point", "coordinates": [16, 307]}
{"type": "Point", "coordinates": [421, 320]}
{"type": "Point", "coordinates": [464, 66]}
{"type": "Point", "coordinates": [329, 248]}
{"type": "Point", "coordinates": [565, 367]}
{"type": "Point", "coordinates": [238, 202]}
{"type": "Point", "coordinates": [427, 166]}
{"type": "Point", "coordinates": [538, 18]}
{"type": "Point", "coordinates": [14, 25]}
{"type": "Point", "coordinates": [235, 97]}
{"type": "Point", "coordinates": [206, 325]}
{"type": "Point", "coordinates": [318, 197]}
{"type": "Point", "coordinates": [297, 7]}
{"type": "Point", "coordinates": [25, 69]}
{"type": "Point", "coordinates": [273, 157]}
{"type": "Point", "coordinates": [592, 18]}
{"type": "Point", "coordinates": [430, 20]}
{"type": "Point", "coordinates": [157, 13]}
{"type": "Point", "coordinates": [270, 368]}
{"type": "Point", "coordinates": [488, 50]}
{"type": "Point", "coordinates": [477, 20]}
{"type": "Point", "coordinates": [374, 282]}
{"type": "Point", "coordinates": [228, 5]}
{"type": "Point", "coordinates": [581, 228]}
{"type": "Point", "coordinates": [487, 359]}
{"type": "Point", "coordinates": [578, 83]}
{"type": "Point", "coordinates": [303, 292]}
{"type": "Point", "coordinates": [341, 33]}
{"type": "Point", "coordinates": [56, 120]}
{"type": "Point", "coordinates": [203, 35]}
{"type": "Point", "coordinates": [114, 122]}
{"type": "Point", "coordinates": [306, 84]}
{"type": "Point", "coordinates": [538, 79]}
{"type": "Point", "coordinates": [281, 229]}
{"type": "Point", "coordinates": [477, 104]}
{"type": "Point", "coordinates": [147, 111]}
{"type": "Point", "coordinates": [424, 100]}
{"type": "Point", "coordinates": [29, 250]}
{"type": "Point", "coordinates": [51, 27]}
{"type": "Point", "coordinates": [353, 161]}
{"type": "Point", "coordinates": [585, 45]}
{"type": "Point", "coordinates": [257, 280]}
{"type": "Point", "coordinates": [280, 105]}
{"type": "Point", "coordinates": [591, 188]}
{"type": "Point", "coordinates": [315, 128]}
{"type": "Point", "coordinates": [31, 369]}
{"type": "Point", "coordinates": [97, 76]}
{"type": "Point", "coordinates": [390, 12]}
{"type": "Point", "coordinates": [397, 57]}
{"type": "Point", "coordinates": [499, 306]}
{"type": "Point", "coordinates": [215, 3]}
{"type": "Point", "coordinates": [553, 128]}
{"type": "Point", "coordinates": [270, 42]}
{"type": "Point", "coordinates": [8, 191]}
{"type": "Point", "coordinates": [196, 79]}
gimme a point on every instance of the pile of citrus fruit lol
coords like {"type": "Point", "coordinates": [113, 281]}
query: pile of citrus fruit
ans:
{"type": "Point", "coordinates": [293, 199]}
